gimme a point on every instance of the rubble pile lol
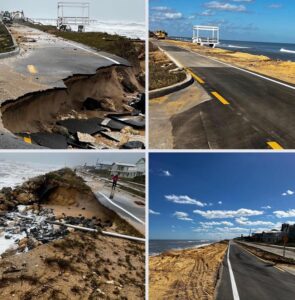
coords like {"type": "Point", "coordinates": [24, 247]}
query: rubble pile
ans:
{"type": "Point", "coordinates": [115, 129]}
{"type": "Point", "coordinates": [28, 227]}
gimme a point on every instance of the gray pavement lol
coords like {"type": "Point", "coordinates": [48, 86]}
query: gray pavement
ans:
{"type": "Point", "coordinates": [47, 61]}
{"type": "Point", "coordinates": [290, 253]}
{"type": "Point", "coordinates": [121, 198]}
{"type": "Point", "coordinates": [43, 63]}
{"type": "Point", "coordinates": [254, 279]}
{"type": "Point", "coordinates": [259, 110]}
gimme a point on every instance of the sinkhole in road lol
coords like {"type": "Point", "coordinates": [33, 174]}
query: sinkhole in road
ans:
{"type": "Point", "coordinates": [110, 91]}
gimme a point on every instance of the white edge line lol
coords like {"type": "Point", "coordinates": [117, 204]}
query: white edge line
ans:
{"type": "Point", "coordinates": [93, 52]}
{"type": "Point", "coordinates": [123, 209]}
{"type": "Point", "coordinates": [176, 62]}
{"type": "Point", "coordinates": [232, 278]}
{"type": "Point", "coordinates": [244, 70]}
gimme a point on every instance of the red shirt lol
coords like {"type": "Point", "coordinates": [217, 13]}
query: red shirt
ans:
{"type": "Point", "coordinates": [115, 178]}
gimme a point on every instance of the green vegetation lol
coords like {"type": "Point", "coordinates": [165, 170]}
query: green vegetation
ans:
{"type": "Point", "coordinates": [159, 67]}
{"type": "Point", "coordinates": [6, 43]}
{"type": "Point", "coordinates": [115, 44]}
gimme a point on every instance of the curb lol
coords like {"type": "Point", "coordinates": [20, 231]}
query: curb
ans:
{"type": "Point", "coordinates": [15, 45]}
{"type": "Point", "coordinates": [172, 88]}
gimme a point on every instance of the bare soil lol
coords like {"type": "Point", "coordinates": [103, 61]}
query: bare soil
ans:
{"type": "Point", "coordinates": [80, 265]}
{"type": "Point", "coordinates": [186, 274]}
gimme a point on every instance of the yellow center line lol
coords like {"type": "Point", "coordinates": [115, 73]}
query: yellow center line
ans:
{"type": "Point", "coordinates": [28, 140]}
{"type": "Point", "coordinates": [32, 69]}
{"type": "Point", "coordinates": [197, 78]}
{"type": "Point", "coordinates": [275, 145]}
{"type": "Point", "coordinates": [220, 98]}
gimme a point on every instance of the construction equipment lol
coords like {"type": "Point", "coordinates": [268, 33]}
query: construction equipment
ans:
{"type": "Point", "coordinates": [160, 34]}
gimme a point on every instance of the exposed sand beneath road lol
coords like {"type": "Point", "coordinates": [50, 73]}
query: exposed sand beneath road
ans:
{"type": "Point", "coordinates": [282, 70]}
{"type": "Point", "coordinates": [186, 274]}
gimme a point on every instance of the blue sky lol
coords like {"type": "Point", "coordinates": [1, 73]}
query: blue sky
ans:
{"type": "Point", "coordinates": [216, 196]}
{"type": "Point", "coordinates": [244, 20]}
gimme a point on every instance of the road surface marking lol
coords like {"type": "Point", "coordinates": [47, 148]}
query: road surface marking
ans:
{"type": "Point", "coordinates": [93, 52]}
{"type": "Point", "coordinates": [232, 278]}
{"type": "Point", "coordinates": [275, 145]}
{"type": "Point", "coordinates": [241, 69]}
{"type": "Point", "coordinates": [123, 209]}
{"type": "Point", "coordinates": [279, 269]}
{"type": "Point", "coordinates": [197, 78]}
{"type": "Point", "coordinates": [28, 140]}
{"type": "Point", "coordinates": [220, 98]}
{"type": "Point", "coordinates": [32, 69]}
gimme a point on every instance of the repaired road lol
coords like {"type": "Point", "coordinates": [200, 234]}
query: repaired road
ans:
{"type": "Point", "coordinates": [246, 111]}
{"type": "Point", "coordinates": [245, 276]}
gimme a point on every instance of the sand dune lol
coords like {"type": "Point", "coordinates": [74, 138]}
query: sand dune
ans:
{"type": "Point", "coordinates": [186, 274]}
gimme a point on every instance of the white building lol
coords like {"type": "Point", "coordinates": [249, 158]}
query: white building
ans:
{"type": "Point", "coordinates": [129, 170]}
{"type": "Point", "coordinates": [103, 166]}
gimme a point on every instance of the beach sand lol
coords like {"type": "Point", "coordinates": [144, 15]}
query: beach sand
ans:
{"type": "Point", "coordinates": [186, 274]}
{"type": "Point", "coordinates": [281, 70]}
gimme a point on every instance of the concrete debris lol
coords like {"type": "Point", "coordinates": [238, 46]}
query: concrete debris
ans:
{"type": "Point", "coordinates": [25, 228]}
{"type": "Point", "coordinates": [85, 138]}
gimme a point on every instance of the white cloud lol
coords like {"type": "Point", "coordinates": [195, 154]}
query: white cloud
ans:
{"type": "Point", "coordinates": [266, 207]}
{"type": "Point", "coordinates": [224, 214]}
{"type": "Point", "coordinates": [211, 224]}
{"type": "Point", "coordinates": [219, 202]}
{"type": "Point", "coordinates": [225, 6]}
{"type": "Point", "coordinates": [164, 13]}
{"type": "Point", "coordinates": [245, 221]}
{"type": "Point", "coordinates": [152, 212]}
{"type": "Point", "coordinates": [166, 173]}
{"type": "Point", "coordinates": [288, 193]}
{"type": "Point", "coordinates": [232, 229]}
{"type": "Point", "coordinates": [182, 216]}
{"type": "Point", "coordinates": [183, 199]}
{"type": "Point", "coordinates": [284, 214]}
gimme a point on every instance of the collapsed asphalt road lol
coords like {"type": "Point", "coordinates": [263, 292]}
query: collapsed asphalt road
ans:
{"type": "Point", "coordinates": [245, 111]}
{"type": "Point", "coordinates": [244, 277]}
{"type": "Point", "coordinates": [53, 80]}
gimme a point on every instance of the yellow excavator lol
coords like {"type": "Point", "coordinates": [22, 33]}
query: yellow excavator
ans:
{"type": "Point", "coordinates": [160, 34]}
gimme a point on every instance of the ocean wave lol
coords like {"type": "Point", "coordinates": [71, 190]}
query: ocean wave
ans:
{"type": "Point", "coordinates": [287, 51]}
{"type": "Point", "coordinates": [238, 47]}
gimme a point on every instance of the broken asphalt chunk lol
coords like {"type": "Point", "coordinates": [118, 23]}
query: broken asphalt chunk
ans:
{"type": "Point", "coordinates": [134, 121]}
{"type": "Point", "coordinates": [133, 145]}
{"type": "Point", "coordinates": [90, 126]}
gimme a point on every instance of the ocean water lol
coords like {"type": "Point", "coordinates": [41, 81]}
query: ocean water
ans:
{"type": "Point", "coordinates": [277, 51]}
{"type": "Point", "coordinates": [13, 173]}
{"type": "Point", "coordinates": [128, 29]}
{"type": "Point", "coordinates": [160, 246]}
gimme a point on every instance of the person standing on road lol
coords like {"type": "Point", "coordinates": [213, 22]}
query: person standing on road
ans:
{"type": "Point", "coordinates": [115, 180]}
